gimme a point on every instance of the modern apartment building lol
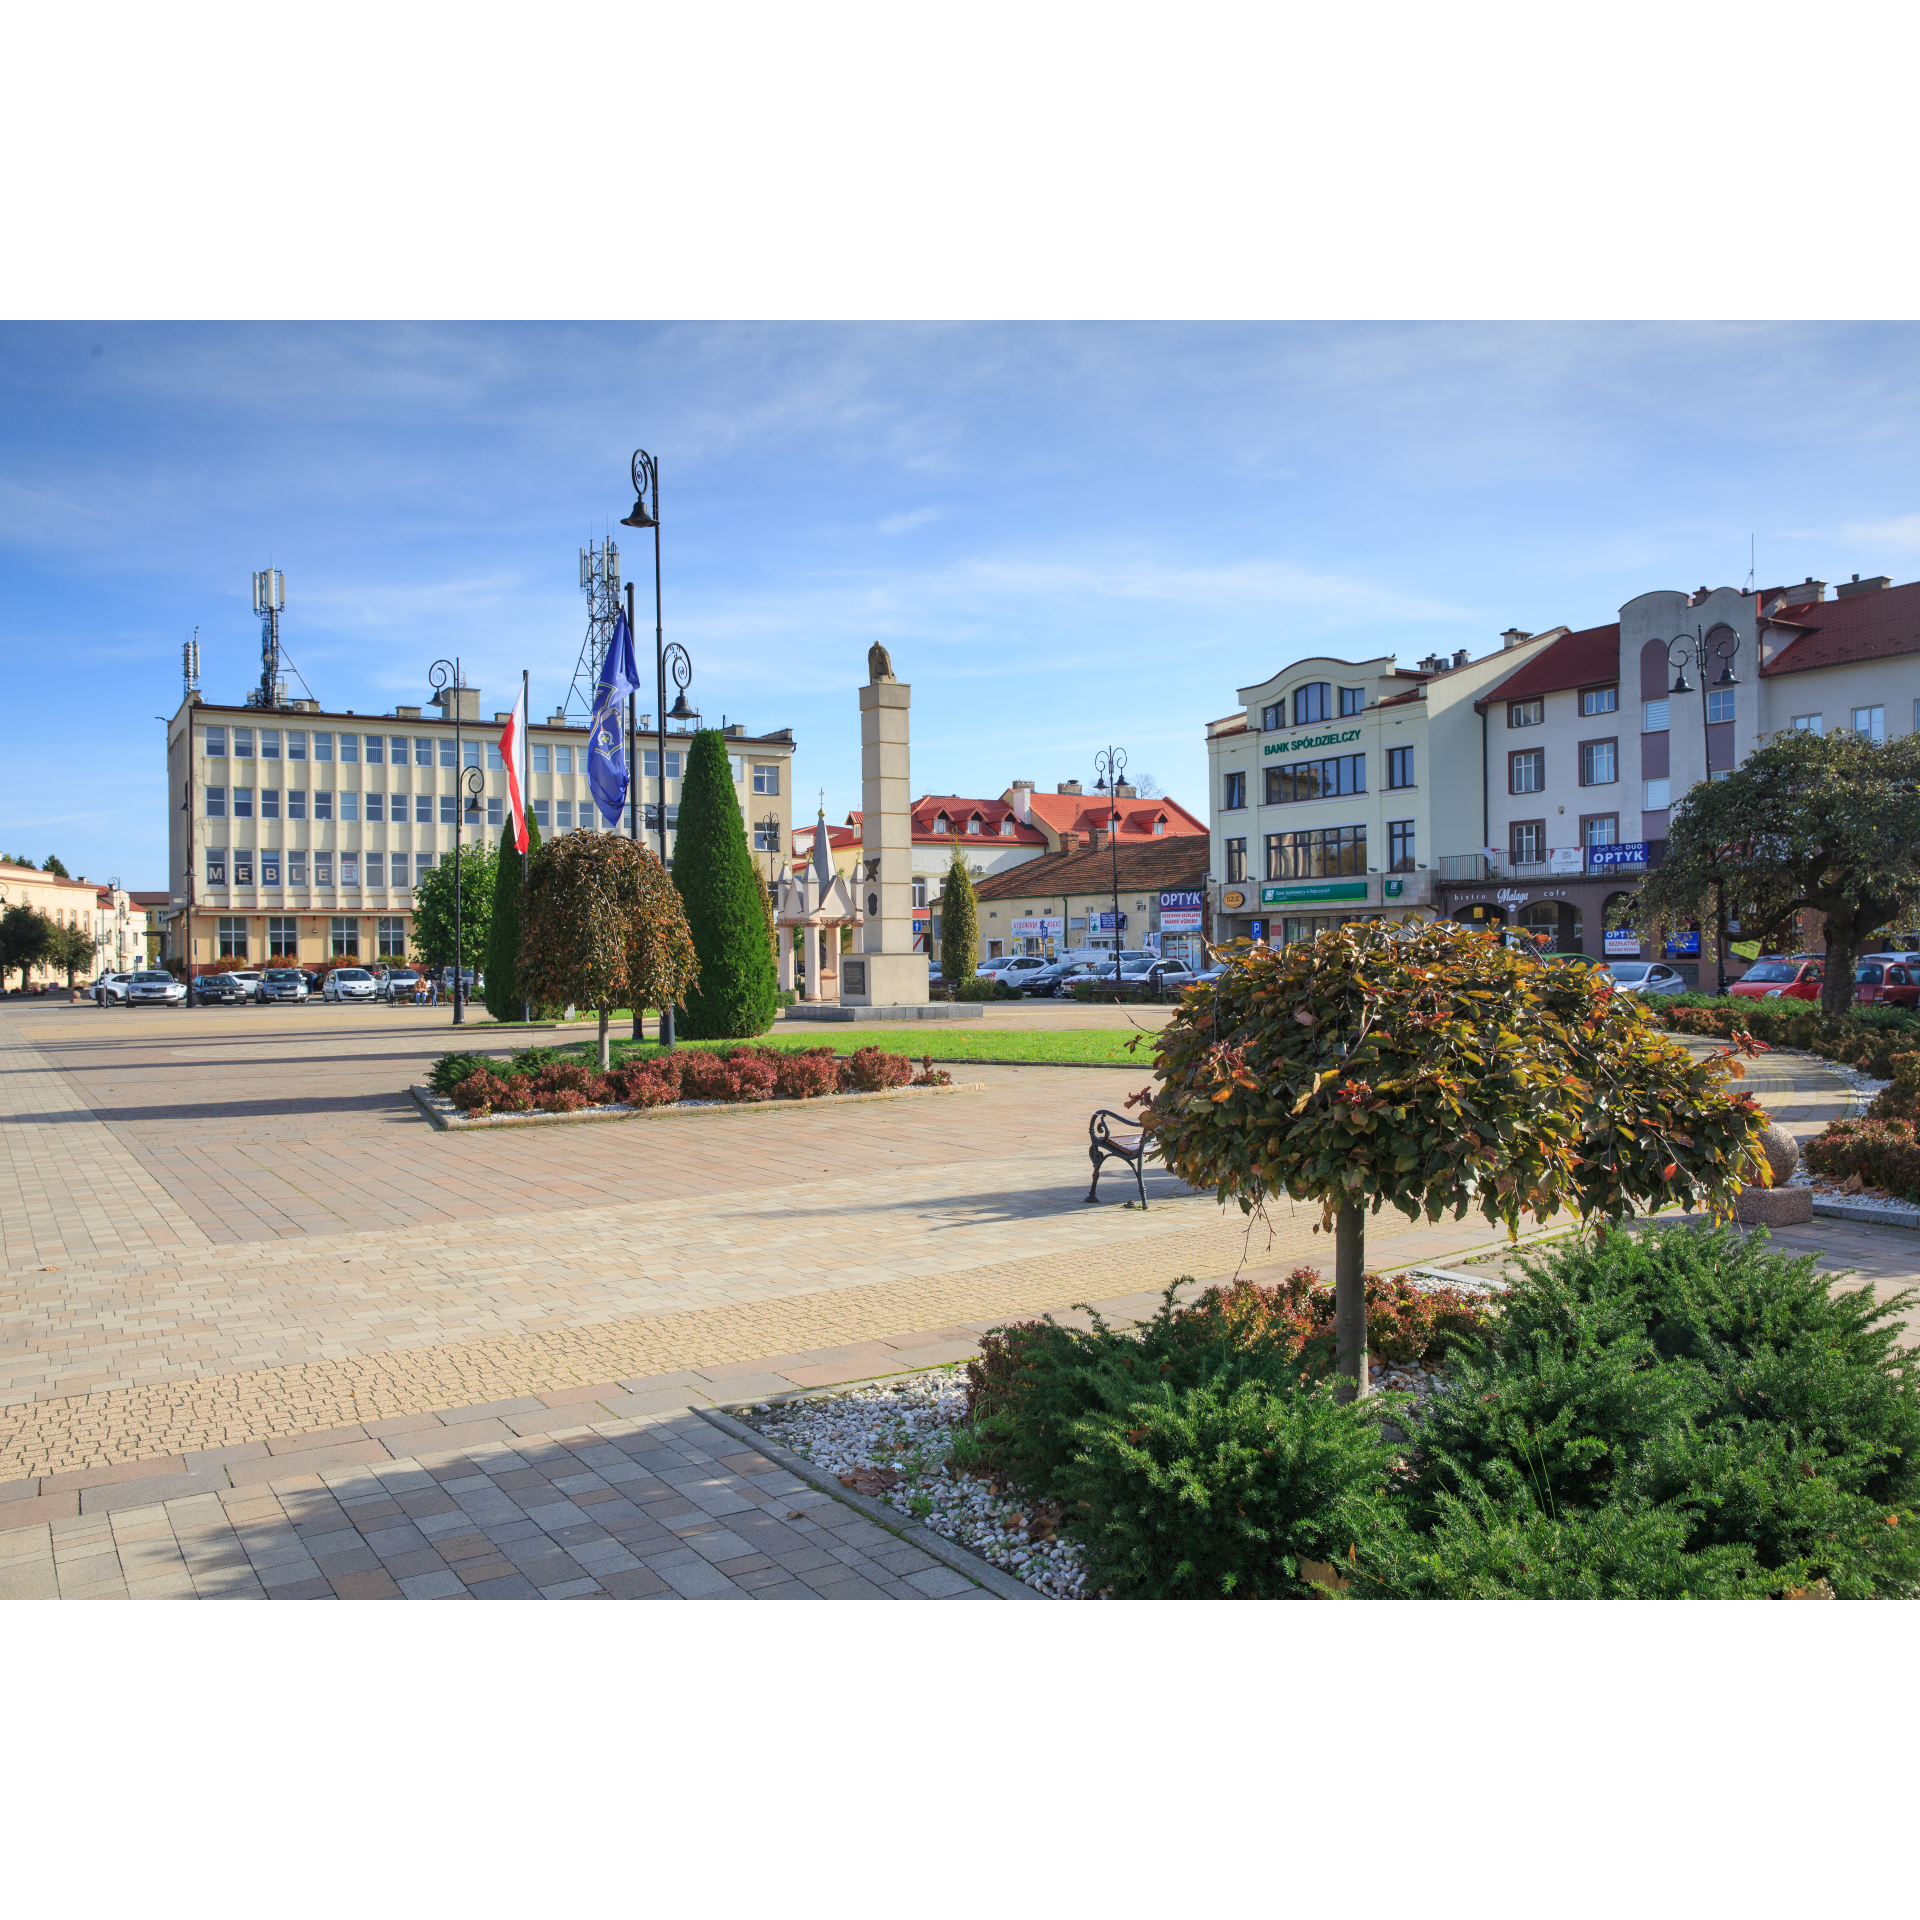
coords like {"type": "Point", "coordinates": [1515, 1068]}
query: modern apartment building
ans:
{"type": "Point", "coordinates": [302, 832]}
{"type": "Point", "coordinates": [1533, 787]}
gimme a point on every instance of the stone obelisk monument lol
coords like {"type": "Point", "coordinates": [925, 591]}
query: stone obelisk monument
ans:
{"type": "Point", "coordinates": [886, 972]}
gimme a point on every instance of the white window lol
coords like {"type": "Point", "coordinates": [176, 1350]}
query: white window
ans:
{"type": "Point", "coordinates": [422, 810]}
{"type": "Point", "coordinates": [941, 824]}
{"type": "Point", "coordinates": [1872, 721]}
{"type": "Point", "coordinates": [449, 756]}
{"type": "Point", "coordinates": [1720, 706]}
{"type": "Point", "coordinates": [563, 759]}
{"type": "Point", "coordinates": [350, 749]}
{"type": "Point", "coordinates": [449, 809]}
{"type": "Point", "coordinates": [1603, 832]}
{"type": "Point", "coordinates": [243, 743]}
{"type": "Point", "coordinates": [377, 750]}
{"type": "Point", "coordinates": [233, 936]}
{"type": "Point", "coordinates": [243, 803]}
{"type": "Point", "coordinates": [766, 839]}
{"type": "Point", "coordinates": [1659, 794]}
{"type": "Point", "coordinates": [1656, 720]}
{"type": "Point", "coordinates": [540, 817]}
{"type": "Point", "coordinates": [766, 779]}
{"type": "Point", "coordinates": [376, 869]}
{"type": "Point", "coordinates": [1599, 700]}
{"type": "Point", "coordinates": [496, 811]}
{"type": "Point", "coordinates": [650, 764]}
{"type": "Point", "coordinates": [243, 866]}
{"type": "Point", "coordinates": [494, 762]}
{"type": "Point", "coordinates": [269, 743]}
{"type": "Point", "coordinates": [919, 893]}
{"type": "Point", "coordinates": [216, 803]}
{"type": "Point", "coordinates": [323, 746]}
{"type": "Point", "coordinates": [296, 746]}
{"type": "Point", "coordinates": [216, 866]}
{"type": "Point", "coordinates": [296, 870]}
{"type": "Point", "coordinates": [563, 812]}
{"type": "Point", "coordinates": [736, 767]}
{"type": "Point", "coordinates": [1809, 723]}
{"type": "Point", "coordinates": [1006, 829]}
{"type": "Point", "coordinates": [973, 825]}
{"type": "Point", "coordinates": [1597, 764]}
{"type": "Point", "coordinates": [423, 749]}
{"type": "Point", "coordinates": [323, 869]}
{"type": "Point", "coordinates": [349, 869]}
{"type": "Point", "coordinates": [296, 804]}
{"type": "Point", "coordinates": [421, 862]}
{"type": "Point", "coordinates": [1526, 713]}
{"type": "Point", "coordinates": [269, 803]}
{"type": "Point", "coordinates": [323, 806]}
{"type": "Point", "coordinates": [541, 755]}
{"type": "Point", "coordinates": [470, 753]}
{"type": "Point", "coordinates": [346, 938]}
{"type": "Point", "coordinates": [349, 806]}
{"type": "Point", "coordinates": [217, 742]}
{"type": "Point", "coordinates": [377, 808]}
{"type": "Point", "coordinates": [393, 937]}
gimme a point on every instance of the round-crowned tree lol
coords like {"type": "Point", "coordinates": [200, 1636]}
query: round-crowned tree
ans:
{"type": "Point", "coordinates": [959, 922]}
{"type": "Point", "coordinates": [603, 927]}
{"type": "Point", "coordinates": [737, 992]}
{"type": "Point", "coordinates": [1438, 1069]}
{"type": "Point", "coordinates": [433, 908]}
{"type": "Point", "coordinates": [506, 997]}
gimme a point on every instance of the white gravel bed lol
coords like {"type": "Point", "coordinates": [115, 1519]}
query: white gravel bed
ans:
{"type": "Point", "coordinates": [890, 1441]}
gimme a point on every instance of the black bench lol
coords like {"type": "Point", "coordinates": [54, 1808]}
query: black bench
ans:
{"type": "Point", "coordinates": [1131, 1146]}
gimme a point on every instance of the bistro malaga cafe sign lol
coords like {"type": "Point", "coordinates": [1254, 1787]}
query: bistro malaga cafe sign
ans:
{"type": "Point", "coordinates": [1312, 740]}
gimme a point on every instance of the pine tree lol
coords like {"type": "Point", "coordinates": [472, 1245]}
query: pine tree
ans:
{"type": "Point", "coordinates": [503, 990]}
{"type": "Point", "coordinates": [959, 923]}
{"type": "Point", "coordinates": [736, 995]}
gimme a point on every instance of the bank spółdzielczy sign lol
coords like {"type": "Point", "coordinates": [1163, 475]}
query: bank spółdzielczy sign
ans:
{"type": "Point", "coordinates": [1316, 890]}
{"type": "Point", "coordinates": [1312, 740]}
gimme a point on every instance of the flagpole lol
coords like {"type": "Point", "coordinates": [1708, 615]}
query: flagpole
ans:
{"type": "Point", "coordinates": [526, 808]}
{"type": "Point", "coordinates": [633, 794]}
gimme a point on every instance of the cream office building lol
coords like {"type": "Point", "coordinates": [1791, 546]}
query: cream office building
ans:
{"type": "Point", "coordinates": [1338, 785]}
{"type": "Point", "coordinates": [299, 832]}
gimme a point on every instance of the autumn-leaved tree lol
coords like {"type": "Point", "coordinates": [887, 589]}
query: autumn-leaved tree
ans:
{"type": "Point", "coordinates": [1437, 1069]}
{"type": "Point", "coordinates": [603, 927]}
{"type": "Point", "coordinates": [1830, 822]}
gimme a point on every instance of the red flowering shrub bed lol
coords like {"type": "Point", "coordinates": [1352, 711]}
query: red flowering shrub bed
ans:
{"type": "Point", "coordinates": [528, 1084]}
{"type": "Point", "coordinates": [1884, 1153]}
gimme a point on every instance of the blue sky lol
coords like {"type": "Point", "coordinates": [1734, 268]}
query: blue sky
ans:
{"type": "Point", "coordinates": [1068, 535]}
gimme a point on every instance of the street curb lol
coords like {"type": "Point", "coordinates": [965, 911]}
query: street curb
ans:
{"type": "Point", "coordinates": [1908, 1217]}
{"type": "Point", "coordinates": [676, 1110]}
{"type": "Point", "coordinates": [961, 1559]}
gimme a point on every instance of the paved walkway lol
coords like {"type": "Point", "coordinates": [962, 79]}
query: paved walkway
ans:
{"type": "Point", "coordinates": [235, 1267]}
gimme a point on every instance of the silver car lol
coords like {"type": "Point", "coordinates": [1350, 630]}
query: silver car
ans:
{"type": "Point", "coordinates": [156, 989]}
{"type": "Point", "coordinates": [283, 983]}
{"type": "Point", "coordinates": [348, 983]}
{"type": "Point", "coordinates": [1645, 977]}
{"type": "Point", "coordinates": [110, 989]}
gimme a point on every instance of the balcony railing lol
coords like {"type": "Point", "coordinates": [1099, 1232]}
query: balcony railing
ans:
{"type": "Point", "coordinates": [1475, 868]}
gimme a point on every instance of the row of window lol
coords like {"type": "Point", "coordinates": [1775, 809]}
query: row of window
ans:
{"type": "Point", "coordinates": [1319, 700]}
{"type": "Point", "coordinates": [283, 937]}
{"type": "Point", "coordinates": [1599, 767]}
{"type": "Point", "coordinates": [427, 750]}
{"type": "Point", "coordinates": [1527, 839]}
{"type": "Point", "coordinates": [1320, 779]}
{"type": "Point", "coordinates": [1872, 721]}
{"type": "Point", "coordinates": [1318, 853]}
{"type": "Point", "coordinates": [428, 810]}
{"type": "Point", "coordinates": [269, 863]}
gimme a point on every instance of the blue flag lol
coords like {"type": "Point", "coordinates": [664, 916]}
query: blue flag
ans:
{"type": "Point", "coordinates": [607, 748]}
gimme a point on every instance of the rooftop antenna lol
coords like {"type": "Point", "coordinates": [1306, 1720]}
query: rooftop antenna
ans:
{"type": "Point", "coordinates": [1748, 588]}
{"type": "Point", "coordinates": [600, 582]}
{"type": "Point", "coordinates": [190, 666]}
{"type": "Point", "coordinates": [269, 602]}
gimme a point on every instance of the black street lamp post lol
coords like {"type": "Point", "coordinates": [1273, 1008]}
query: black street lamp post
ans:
{"type": "Point", "coordinates": [646, 513]}
{"type": "Point", "coordinates": [1109, 767]}
{"type": "Point", "coordinates": [447, 682]}
{"type": "Point", "coordinates": [1703, 651]}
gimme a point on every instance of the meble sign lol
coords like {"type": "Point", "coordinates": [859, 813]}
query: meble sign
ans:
{"type": "Point", "coordinates": [1312, 740]}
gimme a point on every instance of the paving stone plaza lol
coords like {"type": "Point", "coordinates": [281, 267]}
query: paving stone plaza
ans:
{"type": "Point", "coordinates": [267, 1333]}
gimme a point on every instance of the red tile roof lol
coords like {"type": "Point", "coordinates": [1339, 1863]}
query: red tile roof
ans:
{"type": "Point", "coordinates": [1081, 812]}
{"type": "Point", "coordinates": [836, 837]}
{"type": "Point", "coordinates": [1863, 626]}
{"type": "Point", "coordinates": [959, 810]}
{"type": "Point", "coordinates": [1589, 658]}
{"type": "Point", "coordinates": [1173, 863]}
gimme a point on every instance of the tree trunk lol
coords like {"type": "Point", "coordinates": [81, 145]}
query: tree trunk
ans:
{"type": "Point", "coordinates": [606, 1057]}
{"type": "Point", "coordinates": [1350, 1302]}
{"type": "Point", "coordinates": [1836, 991]}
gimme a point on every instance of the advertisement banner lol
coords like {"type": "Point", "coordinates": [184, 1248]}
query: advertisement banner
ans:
{"type": "Point", "coordinates": [1314, 890]}
{"type": "Point", "coordinates": [1683, 943]}
{"type": "Point", "coordinates": [1622, 944]}
{"type": "Point", "coordinates": [1566, 859]}
{"type": "Point", "coordinates": [1039, 926]}
{"type": "Point", "coordinates": [1181, 912]}
{"type": "Point", "coordinates": [1623, 853]}
{"type": "Point", "coordinates": [1103, 922]}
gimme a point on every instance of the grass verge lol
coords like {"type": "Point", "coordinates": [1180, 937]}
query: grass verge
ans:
{"type": "Point", "coordinates": [1089, 1046]}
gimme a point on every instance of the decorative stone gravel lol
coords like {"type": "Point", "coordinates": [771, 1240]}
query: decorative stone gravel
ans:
{"type": "Point", "coordinates": [890, 1441]}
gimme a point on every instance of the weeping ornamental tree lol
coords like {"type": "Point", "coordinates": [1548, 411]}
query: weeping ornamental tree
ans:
{"type": "Point", "coordinates": [959, 922]}
{"type": "Point", "coordinates": [505, 991]}
{"type": "Point", "coordinates": [603, 928]}
{"type": "Point", "coordinates": [1829, 822]}
{"type": "Point", "coordinates": [737, 992]}
{"type": "Point", "coordinates": [1432, 1070]}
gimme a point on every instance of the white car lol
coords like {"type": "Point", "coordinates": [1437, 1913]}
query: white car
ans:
{"type": "Point", "coordinates": [111, 989]}
{"type": "Point", "coordinates": [248, 985]}
{"type": "Point", "coordinates": [156, 989]}
{"type": "Point", "coordinates": [1011, 966]}
{"type": "Point", "coordinates": [348, 983]}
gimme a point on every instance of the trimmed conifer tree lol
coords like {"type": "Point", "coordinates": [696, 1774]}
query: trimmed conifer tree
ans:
{"type": "Point", "coordinates": [736, 994]}
{"type": "Point", "coordinates": [504, 995]}
{"type": "Point", "coordinates": [959, 922]}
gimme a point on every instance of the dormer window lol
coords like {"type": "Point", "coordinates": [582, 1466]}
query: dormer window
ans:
{"type": "Point", "coordinates": [1312, 703]}
{"type": "Point", "coordinates": [1006, 829]}
{"type": "Point", "coordinates": [973, 825]}
{"type": "Point", "coordinates": [941, 824]}
{"type": "Point", "coordinates": [1273, 718]}
{"type": "Point", "coordinates": [1160, 825]}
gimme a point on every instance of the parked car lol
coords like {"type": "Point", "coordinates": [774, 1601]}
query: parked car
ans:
{"type": "Point", "coordinates": [397, 985]}
{"type": "Point", "coordinates": [1646, 976]}
{"type": "Point", "coordinates": [1798, 977]}
{"type": "Point", "coordinates": [155, 989]}
{"type": "Point", "coordinates": [110, 990]}
{"type": "Point", "coordinates": [470, 982]}
{"type": "Point", "coordinates": [1010, 967]}
{"type": "Point", "coordinates": [348, 983]}
{"type": "Point", "coordinates": [284, 983]}
{"type": "Point", "coordinates": [227, 989]}
{"type": "Point", "coordinates": [1889, 983]}
{"type": "Point", "coordinates": [1076, 970]}
{"type": "Point", "coordinates": [1156, 978]}
{"type": "Point", "coordinates": [1042, 980]}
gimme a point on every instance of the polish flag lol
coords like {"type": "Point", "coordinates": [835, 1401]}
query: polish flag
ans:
{"type": "Point", "coordinates": [512, 745]}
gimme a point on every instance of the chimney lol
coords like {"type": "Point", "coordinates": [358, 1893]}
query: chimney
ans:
{"type": "Point", "coordinates": [1069, 841]}
{"type": "Point", "coordinates": [1460, 657]}
{"type": "Point", "coordinates": [1122, 791]}
{"type": "Point", "coordinates": [557, 719]}
{"type": "Point", "coordinates": [1068, 786]}
{"type": "Point", "coordinates": [1514, 637]}
{"type": "Point", "coordinates": [1097, 838]}
{"type": "Point", "coordinates": [1800, 596]}
{"type": "Point", "coordinates": [1857, 585]}
{"type": "Point", "coordinates": [458, 704]}
{"type": "Point", "coordinates": [406, 713]}
{"type": "Point", "coordinates": [1020, 799]}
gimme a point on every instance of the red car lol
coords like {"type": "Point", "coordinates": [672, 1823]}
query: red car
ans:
{"type": "Point", "coordinates": [1795, 978]}
{"type": "Point", "coordinates": [1891, 983]}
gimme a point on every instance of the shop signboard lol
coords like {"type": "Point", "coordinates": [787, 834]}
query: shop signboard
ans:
{"type": "Point", "coordinates": [1039, 926]}
{"type": "Point", "coordinates": [1234, 899]}
{"type": "Point", "coordinates": [1623, 853]}
{"type": "Point", "coordinates": [1103, 922]}
{"type": "Point", "coordinates": [1566, 859]}
{"type": "Point", "coordinates": [1683, 943]}
{"type": "Point", "coordinates": [1180, 912]}
{"type": "Point", "coordinates": [1622, 944]}
{"type": "Point", "coordinates": [1313, 890]}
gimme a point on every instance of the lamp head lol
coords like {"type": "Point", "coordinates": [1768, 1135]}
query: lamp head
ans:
{"type": "Point", "coordinates": [639, 517]}
{"type": "Point", "coordinates": [1681, 684]}
{"type": "Point", "coordinates": [680, 710]}
{"type": "Point", "coordinates": [1726, 677]}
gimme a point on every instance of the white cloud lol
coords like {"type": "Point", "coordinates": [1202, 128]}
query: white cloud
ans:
{"type": "Point", "coordinates": [906, 522]}
{"type": "Point", "coordinates": [1903, 533]}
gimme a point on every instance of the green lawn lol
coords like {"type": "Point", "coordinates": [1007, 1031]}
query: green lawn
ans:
{"type": "Point", "coordinates": [1091, 1046]}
